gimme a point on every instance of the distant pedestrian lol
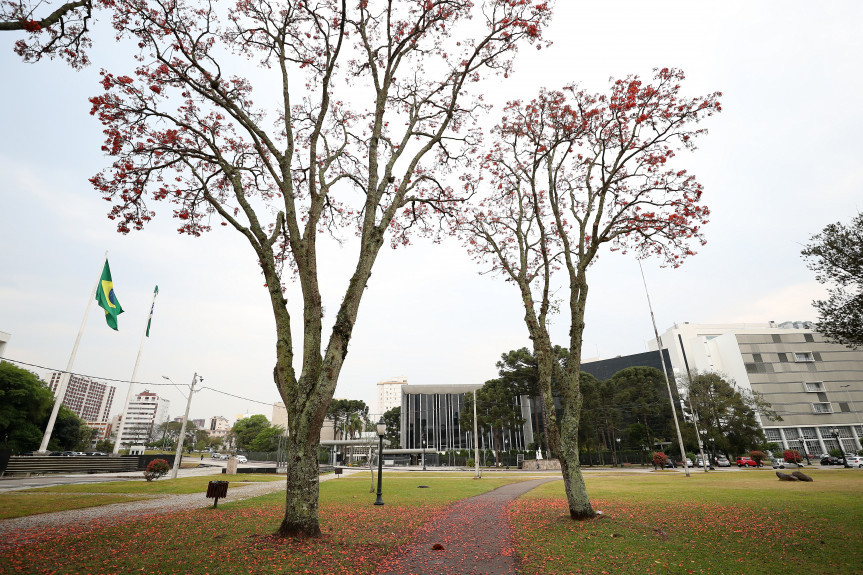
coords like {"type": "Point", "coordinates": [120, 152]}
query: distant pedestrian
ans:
{"type": "Point", "coordinates": [202, 457]}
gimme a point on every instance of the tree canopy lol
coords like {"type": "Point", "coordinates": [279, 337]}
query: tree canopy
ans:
{"type": "Point", "coordinates": [568, 173]}
{"type": "Point", "coordinates": [836, 256]}
{"type": "Point", "coordinates": [25, 402]}
{"type": "Point", "coordinates": [368, 104]}
{"type": "Point", "coordinates": [727, 413]}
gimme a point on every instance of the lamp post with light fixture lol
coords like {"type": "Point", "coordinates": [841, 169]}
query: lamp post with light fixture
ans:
{"type": "Point", "coordinates": [382, 430]}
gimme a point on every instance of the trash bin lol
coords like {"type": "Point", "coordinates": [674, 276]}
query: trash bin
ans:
{"type": "Point", "coordinates": [216, 490]}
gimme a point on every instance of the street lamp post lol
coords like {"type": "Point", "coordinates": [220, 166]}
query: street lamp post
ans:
{"type": "Point", "coordinates": [835, 433]}
{"type": "Point", "coordinates": [424, 454]}
{"type": "Point", "coordinates": [382, 430]}
{"type": "Point", "coordinates": [619, 459]}
{"type": "Point", "coordinates": [712, 453]}
{"type": "Point", "coordinates": [803, 447]}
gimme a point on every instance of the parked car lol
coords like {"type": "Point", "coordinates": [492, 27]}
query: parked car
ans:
{"type": "Point", "coordinates": [689, 462]}
{"type": "Point", "coordinates": [722, 461]}
{"type": "Point", "coordinates": [701, 462]}
{"type": "Point", "coordinates": [830, 460]}
{"type": "Point", "coordinates": [746, 462]}
{"type": "Point", "coordinates": [855, 461]}
{"type": "Point", "coordinates": [779, 463]}
{"type": "Point", "coordinates": [242, 459]}
{"type": "Point", "coordinates": [669, 463]}
{"type": "Point", "coordinates": [96, 453]}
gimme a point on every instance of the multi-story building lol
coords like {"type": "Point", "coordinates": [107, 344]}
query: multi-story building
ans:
{"type": "Point", "coordinates": [88, 399]}
{"type": "Point", "coordinates": [4, 339]}
{"type": "Point", "coordinates": [430, 419]}
{"type": "Point", "coordinates": [390, 393]}
{"type": "Point", "coordinates": [217, 426]}
{"type": "Point", "coordinates": [814, 385]}
{"type": "Point", "coordinates": [146, 412]}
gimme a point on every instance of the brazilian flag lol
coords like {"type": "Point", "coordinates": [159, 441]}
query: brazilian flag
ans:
{"type": "Point", "coordinates": [107, 299]}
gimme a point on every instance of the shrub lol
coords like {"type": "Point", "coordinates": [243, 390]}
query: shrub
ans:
{"type": "Point", "coordinates": [835, 453]}
{"type": "Point", "coordinates": [659, 459]}
{"type": "Point", "coordinates": [792, 456]}
{"type": "Point", "coordinates": [156, 469]}
{"type": "Point", "coordinates": [757, 456]}
{"type": "Point", "coordinates": [470, 463]}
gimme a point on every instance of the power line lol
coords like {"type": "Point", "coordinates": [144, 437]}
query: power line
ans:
{"type": "Point", "coordinates": [144, 383]}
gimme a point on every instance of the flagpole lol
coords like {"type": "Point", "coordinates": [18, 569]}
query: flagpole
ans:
{"type": "Point", "coordinates": [64, 377]}
{"type": "Point", "coordinates": [665, 371]}
{"type": "Point", "coordinates": [122, 426]}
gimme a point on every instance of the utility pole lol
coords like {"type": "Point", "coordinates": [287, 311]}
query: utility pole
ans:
{"type": "Point", "coordinates": [475, 443]}
{"type": "Point", "coordinates": [183, 429]}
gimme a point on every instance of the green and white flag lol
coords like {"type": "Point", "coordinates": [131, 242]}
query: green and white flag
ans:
{"type": "Point", "coordinates": [107, 298]}
{"type": "Point", "coordinates": [152, 307]}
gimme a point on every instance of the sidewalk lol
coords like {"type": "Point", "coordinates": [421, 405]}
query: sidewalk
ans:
{"type": "Point", "coordinates": [473, 534]}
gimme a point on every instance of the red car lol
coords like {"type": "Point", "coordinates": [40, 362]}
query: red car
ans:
{"type": "Point", "coordinates": [746, 462]}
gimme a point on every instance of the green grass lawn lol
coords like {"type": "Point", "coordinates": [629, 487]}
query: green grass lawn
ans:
{"type": "Point", "coordinates": [746, 522]}
{"type": "Point", "coordinates": [237, 537]}
{"type": "Point", "coordinates": [65, 497]}
{"type": "Point", "coordinates": [724, 522]}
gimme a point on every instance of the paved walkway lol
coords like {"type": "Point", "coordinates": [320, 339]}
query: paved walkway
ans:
{"type": "Point", "coordinates": [474, 535]}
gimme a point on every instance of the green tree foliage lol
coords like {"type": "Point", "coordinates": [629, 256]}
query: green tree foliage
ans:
{"type": "Point", "coordinates": [267, 439]}
{"type": "Point", "coordinates": [393, 421]}
{"type": "Point", "coordinates": [165, 435]}
{"type": "Point", "coordinates": [729, 414]}
{"type": "Point", "coordinates": [25, 403]}
{"type": "Point", "coordinates": [836, 257]}
{"type": "Point", "coordinates": [641, 395]}
{"type": "Point", "coordinates": [495, 411]}
{"type": "Point", "coordinates": [71, 433]}
{"type": "Point", "coordinates": [246, 430]}
{"type": "Point", "coordinates": [349, 417]}
{"type": "Point", "coordinates": [519, 369]}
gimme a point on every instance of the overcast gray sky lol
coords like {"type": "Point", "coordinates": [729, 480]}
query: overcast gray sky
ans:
{"type": "Point", "coordinates": [779, 163]}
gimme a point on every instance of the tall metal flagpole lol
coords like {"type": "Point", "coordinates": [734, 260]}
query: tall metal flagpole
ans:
{"type": "Point", "coordinates": [64, 377]}
{"type": "Point", "coordinates": [122, 426]}
{"type": "Point", "coordinates": [665, 371]}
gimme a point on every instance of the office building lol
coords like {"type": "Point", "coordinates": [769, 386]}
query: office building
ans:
{"type": "Point", "coordinates": [815, 386]}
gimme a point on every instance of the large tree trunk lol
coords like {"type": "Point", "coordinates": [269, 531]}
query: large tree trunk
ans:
{"type": "Point", "coordinates": [301, 497]}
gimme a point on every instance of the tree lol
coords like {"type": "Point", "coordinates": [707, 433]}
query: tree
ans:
{"type": "Point", "coordinates": [568, 173]}
{"type": "Point", "coordinates": [346, 415]}
{"type": "Point", "coordinates": [518, 368]}
{"type": "Point", "coordinates": [393, 420]}
{"type": "Point", "coordinates": [63, 31]}
{"type": "Point", "coordinates": [248, 428]}
{"type": "Point", "coordinates": [495, 412]}
{"type": "Point", "coordinates": [727, 413]}
{"type": "Point", "coordinates": [311, 160]}
{"type": "Point", "coordinates": [25, 403]}
{"type": "Point", "coordinates": [71, 433]}
{"type": "Point", "coordinates": [641, 391]}
{"type": "Point", "coordinates": [268, 439]}
{"type": "Point", "coordinates": [836, 257]}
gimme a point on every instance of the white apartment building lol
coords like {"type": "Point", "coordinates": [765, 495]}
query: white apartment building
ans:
{"type": "Point", "coordinates": [218, 426]}
{"type": "Point", "coordinates": [89, 399]}
{"type": "Point", "coordinates": [146, 412]}
{"type": "Point", "coordinates": [814, 385]}
{"type": "Point", "coordinates": [390, 393]}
